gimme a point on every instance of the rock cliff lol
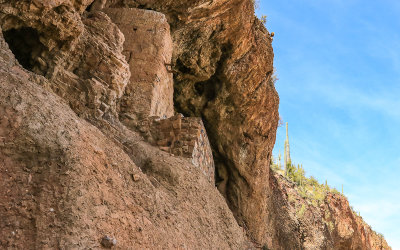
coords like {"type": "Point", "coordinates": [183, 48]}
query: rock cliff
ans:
{"type": "Point", "coordinates": [223, 65]}
{"type": "Point", "coordinates": [142, 123]}
{"type": "Point", "coordinates": [67, 183]}
{"type": "Point", "coordinates": [330, 224]}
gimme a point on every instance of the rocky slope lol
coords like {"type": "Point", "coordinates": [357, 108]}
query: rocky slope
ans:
{"type": "Point", "coordinates": [91, 144]}
{"type": "Point", "coordinates": [302, 223]}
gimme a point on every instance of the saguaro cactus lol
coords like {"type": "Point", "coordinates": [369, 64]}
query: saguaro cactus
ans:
{"type": "Point", "coordinates": [280, 160]}
{"type": "Point", "coordinates": [287, 150]}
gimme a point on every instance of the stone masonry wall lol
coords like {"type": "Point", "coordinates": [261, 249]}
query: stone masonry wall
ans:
{"type": "Point", "coordinates": [148, 51]}
{"type": "Point", "coordinates": [147, 104]}
{"type": "Point", "coordinates": [187, 137]}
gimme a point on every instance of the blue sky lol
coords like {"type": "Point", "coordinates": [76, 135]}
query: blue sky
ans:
{"type": "Point", "coordinates": [338, 64]}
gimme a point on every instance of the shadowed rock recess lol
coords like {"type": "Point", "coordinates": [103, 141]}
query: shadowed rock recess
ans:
{"type": "Point", "coordinates": [144, 124]}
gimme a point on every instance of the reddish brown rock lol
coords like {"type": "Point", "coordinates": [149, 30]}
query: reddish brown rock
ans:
{"type": "Point", "coordinates": [223, 60]}
{"type": "Point", "coordinates": [80, 55]}
{"type": "Point", "coordinates": [350, 231]}
{"type": "Point", "coordinates": [72, 173]}
{"type": "Point", "coordinates": [329, 225]}
{"type": "Point", "coordinates": [66, 183]}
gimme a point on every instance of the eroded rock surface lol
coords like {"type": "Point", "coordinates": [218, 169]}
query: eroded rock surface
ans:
{"type": "Point", "coordinates": [329, 225]}
{"type": "Point", "coordinates": [223, 60]}
{"type": "Point", "coordinates": [81, 55]}
{"type": "Point", "coordinates": [148, 50]}
{"type": "Point", "coordinates": [187, 137]}
{"type": "Point", "coordinates": [66, 183]}
{"type": "Point", "coordinates": [90, 145]}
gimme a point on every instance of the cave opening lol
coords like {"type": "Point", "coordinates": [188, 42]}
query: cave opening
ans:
{"type": "Point", "coordinates": [89, 7]}
{"type": "Point", "coordinates": [25, 45]}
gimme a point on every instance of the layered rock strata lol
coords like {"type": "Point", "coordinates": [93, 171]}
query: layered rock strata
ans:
{"type": "Point", "coordinates": [148, 100]}
{"type": "Point", "coordinates": [80, 54]}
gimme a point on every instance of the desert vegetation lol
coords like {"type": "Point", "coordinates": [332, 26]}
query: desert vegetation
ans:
{"type": "Point", "coordinates": [308, 187]}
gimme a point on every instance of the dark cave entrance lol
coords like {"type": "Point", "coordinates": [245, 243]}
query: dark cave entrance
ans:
{"type": "Point", "coordinates": [27, 48]}
{"type": "Point", "coordinates": [89, 7]}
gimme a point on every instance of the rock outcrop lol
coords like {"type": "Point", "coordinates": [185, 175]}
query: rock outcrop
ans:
{"type": "Point", "coordinates": [148, 50]}
{"type": "Point", "coordinates": [329, 225]}
{"type": "Point", "coordinates": [187, 137]}
{"type": "Point", "coordinates": [223, 63]}
{"type": "Point", "coordinates": [119, 118]}
{"type": "Point", "coordinates": [80, 54]}
{"type": "Point", "coordinates": [66, 183]}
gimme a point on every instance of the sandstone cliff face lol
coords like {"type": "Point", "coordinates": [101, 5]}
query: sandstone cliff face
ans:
{"type": "Point", "coordinates": [91, 143]}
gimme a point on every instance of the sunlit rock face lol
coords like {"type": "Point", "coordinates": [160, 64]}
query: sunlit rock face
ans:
{"type": "Point", "coordinates": [73, 176]}
{"type": "Point", "coordinates": [148, 51]}
{"type": "Point", "coordinates": [223, 63]}
{"type": "Point", "coordinates": [118, 118]}
{"type": "Point", "coordinates": [80, 53]}
{"type": "Point", "coordinates": [303, 223]}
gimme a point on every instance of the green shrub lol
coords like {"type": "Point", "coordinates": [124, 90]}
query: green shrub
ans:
{"type": "Point", "coordinates": [308, 188]}
{"type": "Point", "coordinates": [263, 19]}
{"type": "Point", "coordinates": [301, 211]}
{"type": "Point", "coordinates": [312, 181]}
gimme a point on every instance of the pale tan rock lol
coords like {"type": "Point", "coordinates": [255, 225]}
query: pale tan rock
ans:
{"type": "Point", "coordinates": [148, 48]}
